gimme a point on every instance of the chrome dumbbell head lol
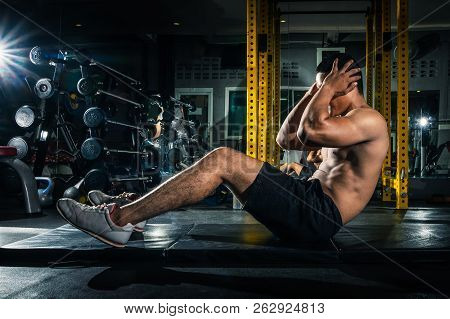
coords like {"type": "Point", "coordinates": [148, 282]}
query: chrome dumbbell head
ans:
{"type": "Point", "coordinates": [37, 56]}
{"type": "Point", "coordinates": [91, 148]}
{"type": "Point", "coordinates": [44, 88]}
{"type": "Point", "coordinates": [94, 117]}
{"type": "Point", "coordinates": [86, 86]}
{"type": "Point", "coordinates": [25, 116]}
{"type": "Point", "coordinates": [21, 145]}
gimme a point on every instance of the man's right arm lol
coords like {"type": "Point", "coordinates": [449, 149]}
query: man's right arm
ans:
{"type": "Point", "coordinates": [287, 136]}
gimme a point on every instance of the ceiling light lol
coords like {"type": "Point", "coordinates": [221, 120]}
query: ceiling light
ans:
{"type": "Point", "coordinates": [176, 23]}
{"type": "Point", "coordinates": [418, 91]}
{"type": "Point", "coordinates": [78, 25]}
{"type": "Point", "coordinates": [283, 21]}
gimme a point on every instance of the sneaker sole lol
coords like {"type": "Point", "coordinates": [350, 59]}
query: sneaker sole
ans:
{"type": "Point", "coordinates": [138, 229]}
{"type": "Point", "coordinates": [96, 236]}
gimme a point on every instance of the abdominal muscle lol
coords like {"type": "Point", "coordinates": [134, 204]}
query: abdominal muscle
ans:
{"type": "Point", "coordinates": [349, 192]}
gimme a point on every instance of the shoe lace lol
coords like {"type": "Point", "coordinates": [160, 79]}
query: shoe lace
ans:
{"type": "Point", "coordinates": [101, 206]}
{"type": "Point", "coordinates": [125, 195]}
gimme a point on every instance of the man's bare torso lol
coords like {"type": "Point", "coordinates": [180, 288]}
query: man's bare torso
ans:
{"type": "Point", "coordinates": [349, 175]}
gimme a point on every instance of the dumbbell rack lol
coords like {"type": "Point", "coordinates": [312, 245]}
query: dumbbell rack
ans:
{"type": "Point", "coordinates": [94, 169]}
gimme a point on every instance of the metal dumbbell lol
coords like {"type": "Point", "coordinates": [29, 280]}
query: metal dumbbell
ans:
{"type": "Point", "coordinates": [69, 58]}
{"type": "Point", "coordinates": [38, 56]}
{"type": "Point", "coordinates": [99, 179]}
{"type": "Point", "coordinates": [94, 117]}
{"type": "Point", "coordinates": [21, 145]}
{"type": "Point", "coordinates": [44, 88]}
{"type": "Point", "coordinates": [25, 116]}
{"type": "Point", "coordinates": [88, 87]}
{"type": "Point", "coordinates": [96, 179]}
{"type": "Point", "coordinates": [93, 147]}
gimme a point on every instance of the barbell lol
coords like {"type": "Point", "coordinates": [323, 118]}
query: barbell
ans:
{"type": "Point", "coordinates": [94, 117]}
{"type": "Point", "coordinates": [152, 105]}
{"type": "Point", "coordinates": [93, 147]}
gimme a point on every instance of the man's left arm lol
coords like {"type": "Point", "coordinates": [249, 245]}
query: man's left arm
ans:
{"type": "Point", "coordinates": [360, 125]}
{"type": "Point", "coordinates": [318, 127]}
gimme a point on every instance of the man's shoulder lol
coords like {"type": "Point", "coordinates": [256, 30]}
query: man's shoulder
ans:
{"type": "Point", "coordinates": [368, 113]}
{"type": "Point", "coordinates": [371, 122]}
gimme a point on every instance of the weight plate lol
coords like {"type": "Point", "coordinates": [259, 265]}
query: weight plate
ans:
{"type": "Point", "coordinates": [21, 145]}
{"type": "Point", "coordinates": [96, 179]}
{"type": "Point", "coordinates": [37, 56]}
{"type": "Point", "coordinates": [91, 148]}
{"type": "Point", "coordinates": [25, 116]}
{"type": "Point", "coordinates": [86, 86]}
{"type": "Point", "coordinates": [93, 117]}
{"type": "Point", "coordinates": [44, 88]}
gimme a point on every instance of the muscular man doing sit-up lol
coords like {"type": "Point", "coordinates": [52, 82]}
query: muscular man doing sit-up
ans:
{"type": "Point", "coordinates": [332, 115]}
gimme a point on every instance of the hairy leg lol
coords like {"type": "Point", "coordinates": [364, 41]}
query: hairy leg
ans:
{"type": "Point", "coordinates": [223, 165]}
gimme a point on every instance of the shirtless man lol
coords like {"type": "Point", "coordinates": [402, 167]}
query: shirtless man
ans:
{"type": "Point", "coordinates": [332, 116]}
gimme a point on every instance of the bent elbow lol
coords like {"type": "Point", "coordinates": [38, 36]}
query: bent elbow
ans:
{"type": "Point", "coordinates": [282, 143]}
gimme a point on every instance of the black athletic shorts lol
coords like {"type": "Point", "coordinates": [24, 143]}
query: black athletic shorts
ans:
{"type": "Point", "coordinates": [291, 208]}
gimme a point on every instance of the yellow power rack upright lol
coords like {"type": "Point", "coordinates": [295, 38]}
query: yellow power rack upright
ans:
{"type": "Point", "coordinates": [263, 83]}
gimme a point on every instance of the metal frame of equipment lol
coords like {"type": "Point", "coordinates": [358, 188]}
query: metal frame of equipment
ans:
{"type": "Point", "coordinates": [386, 92]}
{"type": "Point", "coordinates": [382, 103]}
{"type": "Point", "coordinates": [252, 78]}
{"type": "Point", "coordinates": [263, 80]}
{"type": "Point", "coordinates": [401, 177]}
{"type": "Point", "coordinates": [369, 56]}
{"type": "Point", "coordinates": [263, 84]}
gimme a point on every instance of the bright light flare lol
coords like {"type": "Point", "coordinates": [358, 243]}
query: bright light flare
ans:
{"type": "Point", "coordinates": [423, 121]}
{"type": "Point", "coordinates": [13, 57]}
{"type": "Point", "coordinates": [2, 54]}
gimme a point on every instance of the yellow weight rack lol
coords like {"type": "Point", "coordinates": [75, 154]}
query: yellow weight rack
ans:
{"type": "Point", "coordinates": [276, 88]}
{"type": "Point", "coordinates": [263, 83]}
{"type": "Point", "coordinates": [401, 179]}
{"type": "Point", "coordinates": [252, 78]}
{"type": "Point", "coordinates": [386, 92]}
{"type": "Point", "coordinates": [378, 55]}
{"type": "Point", "coordinates": [369, 57]}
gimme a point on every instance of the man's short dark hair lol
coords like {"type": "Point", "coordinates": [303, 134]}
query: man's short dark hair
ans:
{"type": "Point", "coordinates": [327, 64]}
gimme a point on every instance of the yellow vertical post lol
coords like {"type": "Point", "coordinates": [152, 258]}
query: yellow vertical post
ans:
{"type": "Point", "coordinates": [369, 57]}
{"type": "Point", "coordinates": [401, 179]}
{"type": "Point", "coordinates": [378, 55]}
{"type": "Point", "coordinates": [252, 78]}
{"type": "Point", "coordinates": [276, 87]}
{"type": "Point", "coordinates": [386, 92]}
{"type": "Point", "coordinates": [263, 74]}
{"type": "Point", "coordinates": [270, 142]}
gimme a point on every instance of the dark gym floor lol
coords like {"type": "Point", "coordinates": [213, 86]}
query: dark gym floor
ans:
{"type": "Point", "coordinates": [204, 252]}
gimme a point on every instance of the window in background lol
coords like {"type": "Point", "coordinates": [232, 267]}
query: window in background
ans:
{"type": "Point", "coordinates": [235, 111]}
{"type": "Point", "coordinates": [236, 107]}
{"type": "Point", "coordinates": [290, 96]}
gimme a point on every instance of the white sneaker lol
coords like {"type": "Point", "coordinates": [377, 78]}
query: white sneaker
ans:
{"type": "Point", "coordinates": [95, 221]}
{"type": "Point", "coordinates": [97, 197]}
